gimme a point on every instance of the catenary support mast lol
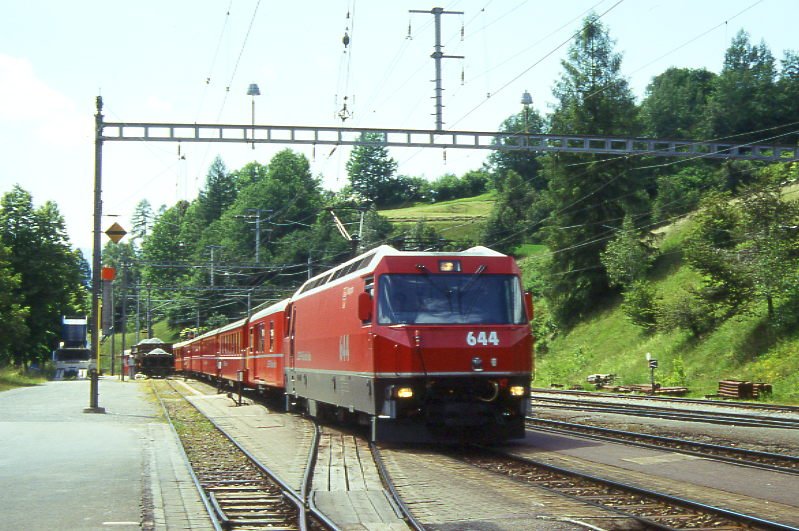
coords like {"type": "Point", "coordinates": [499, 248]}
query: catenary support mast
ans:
{"type": "Point", "coordinates": [437, 55]}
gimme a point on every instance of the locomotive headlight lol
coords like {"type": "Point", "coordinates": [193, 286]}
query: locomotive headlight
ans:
{"type": "Point", "coordinates": [449, 266]}
{"type": "Point", "coordinates": [404, 392]}
{"type": "Point", "coordinates": [516, 390]}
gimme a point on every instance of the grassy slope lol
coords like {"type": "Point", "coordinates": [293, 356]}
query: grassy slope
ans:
{"type": "Point", "coordinates": [741, 348]}
{"type": "Point", "coordinates": [11, 378]}
{"type": "Point", "coordinates": [460, 219]}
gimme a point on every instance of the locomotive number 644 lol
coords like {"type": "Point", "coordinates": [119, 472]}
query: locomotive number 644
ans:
{"type": "Point", "coordinates": [482, 338]}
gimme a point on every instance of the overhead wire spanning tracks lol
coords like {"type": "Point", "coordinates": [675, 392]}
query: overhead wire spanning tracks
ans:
{"type": "Point", "coordinates": [431, 138]}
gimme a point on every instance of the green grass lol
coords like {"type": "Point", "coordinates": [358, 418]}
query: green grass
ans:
{"type": "Point", "coordinates": [11, 378]}
{"type": "Point", "coordinates": [459, 219]}
{"type": "Point", "coordinates": [742, 348]}
{"type": "Point", "coordinates": [527, 250]}
{"type": "Point", "coordinates": [478, 206]}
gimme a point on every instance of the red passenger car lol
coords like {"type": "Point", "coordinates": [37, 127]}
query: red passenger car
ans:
{"type": "Point", "coordinates": [265, 361]}
{"type": "Point", "coordinates": [422, 346]}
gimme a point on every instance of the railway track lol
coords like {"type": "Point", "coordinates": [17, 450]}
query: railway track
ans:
{"type": "Point", "coordinates": [537, 392]}
{"type": "Point", "coordinates": [239, 492]}
{"type": "Point", "coordinates": [652, 509]}
{"type": "Point", "coordinates": [741, 456]}
{"type": "Point", "coordinates": [668, 413]}
{"type": "Point", "coordinates": [254, 497]}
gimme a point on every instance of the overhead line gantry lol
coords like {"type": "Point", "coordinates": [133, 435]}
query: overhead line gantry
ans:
{"type": "Point", "coordinates": [430, 138]}
{"type": "Point", "coordinates": [414, 138]}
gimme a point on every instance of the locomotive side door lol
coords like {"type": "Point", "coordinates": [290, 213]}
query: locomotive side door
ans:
{"type": "Point", "coordinates": [289, 369]}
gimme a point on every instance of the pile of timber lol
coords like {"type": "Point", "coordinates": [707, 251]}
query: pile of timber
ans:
{"type": "Point", "coordinates": [743, 389]}
{"type": "Point", "coordinates": [647, 389]}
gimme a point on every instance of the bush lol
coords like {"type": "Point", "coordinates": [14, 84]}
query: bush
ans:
{"type": "Point", "coordinates": [641, 305]}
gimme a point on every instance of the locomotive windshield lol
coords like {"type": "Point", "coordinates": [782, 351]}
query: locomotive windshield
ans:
{"type": "Point", "coordinates": [450, 299]}
{"type": "Point", "coordinates": [72, 354]}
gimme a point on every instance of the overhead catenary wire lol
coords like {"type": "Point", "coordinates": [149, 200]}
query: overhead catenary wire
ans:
{"type": "Point", "coordinates": [678, 162]}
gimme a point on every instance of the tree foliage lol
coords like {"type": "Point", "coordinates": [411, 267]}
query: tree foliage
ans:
{"type": "Point", "coordinates": [13, 315]}
{"type": "Point", "coordinates": [676, 102]}
{"type": "Point", "coordinates": [743, 100]}
{"type": "Point", "coordinates": [45, 276]}
{"type": "Point", "coordinates": [525, 163]}
{"type": "Point", "coordinates": [372, 171]}
{"type": "Point", "coordinates": [587, 192]}
{"type": "Point", "coordinates": [746, 250]}
{"type": "Point", "coordinates": [506, 225]}
{"type": "Point", "coordinates": [219, 192]}
{"type": "Point", "coordinates": [626, 258]}
{"type": "Point", "coordinates": [142, 220]}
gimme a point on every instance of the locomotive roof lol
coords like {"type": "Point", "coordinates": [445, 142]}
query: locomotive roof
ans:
{"type": "Point", "coordinates": [364, 262]}
{"type": "Point", "coordinates": [278, 306]}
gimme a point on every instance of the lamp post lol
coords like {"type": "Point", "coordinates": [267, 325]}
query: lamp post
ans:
{"type": "Point", "coordinates": [253, 91]}
{"type": "Point", "coordinates": [527, 100]}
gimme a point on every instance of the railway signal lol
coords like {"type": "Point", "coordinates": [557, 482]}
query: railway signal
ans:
{"type": "Point", "coordinates": [653, 364]}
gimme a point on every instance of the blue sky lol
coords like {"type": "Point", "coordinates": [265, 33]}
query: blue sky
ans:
{"type": "Point", "coordinates": [187, 61]}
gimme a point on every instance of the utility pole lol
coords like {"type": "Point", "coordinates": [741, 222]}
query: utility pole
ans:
{"type": "Point", "coordinates": [138, 312]}
{"type": "Point", "coordinates": [438, 55]}
{"type": "Point", "coordinates": [96, 263]}
{"type": "Point", "coordinates": [213, 248]}
{"type": "Point", "coordinates": [124, 315]}
{"type": "Point", "coordinates": [149, 315]}
{"type": "Point", "coordinates": [257, 212]}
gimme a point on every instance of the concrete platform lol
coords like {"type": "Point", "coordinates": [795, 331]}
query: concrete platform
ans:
{"type": "Point", "coordinates": [61, 468]}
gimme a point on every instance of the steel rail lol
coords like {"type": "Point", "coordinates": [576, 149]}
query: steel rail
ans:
{"type": "Point", "coordinates": [668, 399]}
{"type": "Point", "coordinates": [607, 434]}
{"type": "Point", "coordinates": [662, 496]}
{"type": "Point", "coordinates": [396, 499]}
{"type": "Point", "coordinates": [672, 413]}
{"type": "Point", "coordinates": [287, 491]}
{"type": "Point", "coordinates": [308, 478]}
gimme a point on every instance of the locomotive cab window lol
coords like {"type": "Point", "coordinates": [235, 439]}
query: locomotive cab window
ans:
{"type": "Point", "coordinates": [458, 298]}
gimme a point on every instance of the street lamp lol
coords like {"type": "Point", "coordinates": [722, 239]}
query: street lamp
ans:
{"type": "Point", "coordinates": [253, 91]}
{"type": "Point", "coordinates": [527, 100]}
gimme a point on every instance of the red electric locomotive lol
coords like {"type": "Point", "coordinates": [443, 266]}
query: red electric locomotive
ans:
{"type": "Point", "coordinates": [422, 346]}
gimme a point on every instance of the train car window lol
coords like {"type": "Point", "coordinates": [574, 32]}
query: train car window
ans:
{"type": "Point", "coordinates": [271, 336]}
{"type": "Point", "coordinates": [449, 299]}
{"type": "Point", "coordinates": [261, 338]}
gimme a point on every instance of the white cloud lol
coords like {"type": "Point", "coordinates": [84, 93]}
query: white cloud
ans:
{"type": "Point", "coordinates": [29, 102]}
{"type": "Point", "coordinates": [23, 96]}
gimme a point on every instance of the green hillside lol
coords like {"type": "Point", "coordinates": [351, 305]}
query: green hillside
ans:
{"type": "Point", "coordinates": [459, 219]}
{"type": "Point", "coordinates": [742, 348]}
